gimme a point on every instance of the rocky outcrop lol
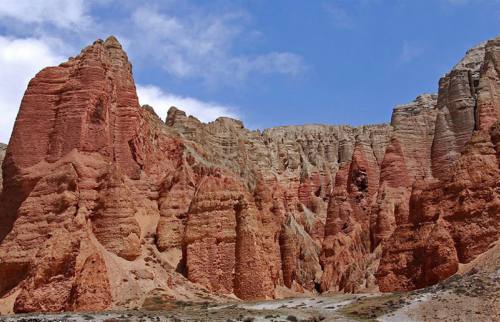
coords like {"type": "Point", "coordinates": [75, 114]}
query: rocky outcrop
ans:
{"type": "Point", "coordinates": [452, 220]}
{"type": "Point", "coordinates": [407, 158]}
{"type": "Point", "coordinates": [449, 223]}
{"type": "Point", "coordinates": [300, 163]}
{"type": "Point", "coordinates": [456, 107]}
{"type": "Point", "coordinates": [106, 206]}
{"type": "Point", "coordinates": [82, 183]}
{"type": "Point", "coordinates": [346, 246]}
{"type": "Point", "coordinates": [488, 96]}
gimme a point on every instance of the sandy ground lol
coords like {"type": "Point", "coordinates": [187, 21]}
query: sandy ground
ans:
{"type": "Point", "coordinates": [423, 306]}
{"type": "Point", "coordinates": [296, 309]}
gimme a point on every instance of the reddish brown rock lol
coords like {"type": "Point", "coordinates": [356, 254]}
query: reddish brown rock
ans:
{"type": "Point", "coordinates": [270, 215]}
{"type": "Point", "coordinates": [454, 219]}
{"type": "Point", "coordinates": [253, 276]}
{"type": "Point", "coordinates": [73, 188]}
{"type": "Point", "coordinates": [346, 248]}
{"type": "Point", "coordinates": [449, 223]}
{"type": "Point", "coordinates": [391, 207]}
{"type": "Point", "coordinates": [210, 238]}
{"type": "Point", "coordinates": [300, 164]}
{"type": "Point", "coordinates": [66, 278]}
{"type": "Point", "coordinates": [81, 99]}
{"type": "Point", "coordinates": [113, 222]}
{"type": "Point", "coordinates": [407, 158]}
{"type": "Point", "coordinates": [176, 193]}
{"type": "Point", "coordinates": [104, 205]}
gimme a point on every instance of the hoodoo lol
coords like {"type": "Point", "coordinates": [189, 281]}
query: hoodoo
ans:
{"type": "Point", "coordinates": [104, 205]}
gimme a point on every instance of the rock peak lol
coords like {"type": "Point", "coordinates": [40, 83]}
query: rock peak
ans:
{"type": "Point", "coordinates": [150, 109]}
{"type": "Point", "coordinates": [472, 60]}
{"type": "Point", "coordinates": [229, 121]}
{"type": "Point", "coordinates": [421, 101]}
{"type": "Point", "coordinates": [173, 115]}
{"type": "Point", "coordinates": [175, 110]}
{"type": "Point", "coordinates": [112, 42]}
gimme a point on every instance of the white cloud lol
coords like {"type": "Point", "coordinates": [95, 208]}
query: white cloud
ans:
{"type": "Point", "coordinates": [20, 60]}
{"type": "Point", "coordinates": [187, 41]}
{"type": "Point", "coordinates": [60, 13]}
{"type": "Point", "coordinates": [194, 44]}
{"type": "Point", "coordinates": [202, 46]}
{"type": "Point", "coordinates": [162, 101]}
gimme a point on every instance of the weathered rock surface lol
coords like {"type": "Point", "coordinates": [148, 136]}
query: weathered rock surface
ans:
{"type": "Point", "coordinates": [82, 181]}
{"type": "Point", "coordinates": [300, 163]}
{"type": "Point", "coordinates": [454, 219]}
{"type": "Point", "coordinates": [456, 108]}
{"type": "Point", "coordinates": [106, 206]}
{"type": "Point", "coordinates": [488, 96]}
{"type": "Point", "coordinates": [407, 158]}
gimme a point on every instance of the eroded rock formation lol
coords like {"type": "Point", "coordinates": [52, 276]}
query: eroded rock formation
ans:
{"type": "Point", "coordinates": [105, 206]}
{"type": "Point", "coordinates": [454, 219]}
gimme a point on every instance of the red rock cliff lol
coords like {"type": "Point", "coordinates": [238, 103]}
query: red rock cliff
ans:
{"type": "Point", "coordinates": [104, 205]}
{"type": "Point", "coordinates": [454, 218]}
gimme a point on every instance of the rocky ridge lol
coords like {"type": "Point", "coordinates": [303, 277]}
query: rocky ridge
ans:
{"type": "Point", "coordinates": [105, 206]}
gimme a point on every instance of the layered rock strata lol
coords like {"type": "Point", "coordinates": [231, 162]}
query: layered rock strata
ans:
{"type": "Point", "coordinates": [454, 218]}
{"type": "Point", "coordinates": [105, 206]}
{"type": "Point", "coordinates": [456, 106]}
{"type": "Point", "coordinates": [83, 177]}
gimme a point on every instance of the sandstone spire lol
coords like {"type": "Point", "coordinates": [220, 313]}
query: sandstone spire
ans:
{"type": "Point", "coordinates": [105, 205]}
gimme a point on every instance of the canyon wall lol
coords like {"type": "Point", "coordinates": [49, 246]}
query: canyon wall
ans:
{"type": "Point", "coordinates": [104, 205]}
{"type": "Point", "coordinates": [454, 216]}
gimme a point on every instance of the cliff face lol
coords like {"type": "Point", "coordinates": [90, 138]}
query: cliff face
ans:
{"type": "Point", "coordinates": [105, 205]}
{"type": "Point", "coordinates": [292, 171]}
{"type": "Point", "coordinates": [83, 173]}
{"type": "Point", "coordinates": [456, 106]}
{"type": "Point", "coordinates": [454, 216]}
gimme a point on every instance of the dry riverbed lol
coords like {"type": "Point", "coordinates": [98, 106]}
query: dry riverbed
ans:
{"type": "Point", "coordinates": [434, 304]}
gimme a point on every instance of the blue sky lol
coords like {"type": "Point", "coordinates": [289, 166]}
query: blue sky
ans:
{"type": "Point", "coordinates": [268, 63]}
